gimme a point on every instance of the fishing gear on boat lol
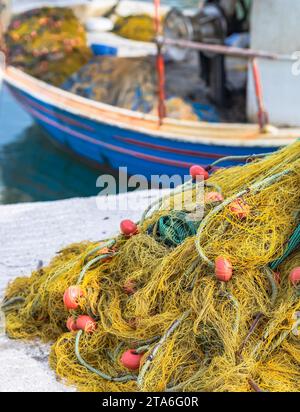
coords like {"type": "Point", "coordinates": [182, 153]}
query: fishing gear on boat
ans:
{"type": "Point", "coordinates": [48, 43]}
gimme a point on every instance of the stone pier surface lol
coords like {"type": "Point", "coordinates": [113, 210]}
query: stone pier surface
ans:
{"type": "Point", "coordinates": [34, 232]}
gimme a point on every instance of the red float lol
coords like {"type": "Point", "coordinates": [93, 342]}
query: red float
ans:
{"type": "Point", "coordinates": [295, 276]}
{"type": "Point", "coordinates": [131, 360]}
{"type": "Point", "coordinates": [223, 269]}
{"type": "Point", "coordinates": [71, 324]}
{"type": "Point", "coordinates": [212, 197]}
{"type": "Point", "coordinates": [239, 208]}
{"type": "Point", "coordinates": [72, 296]}
{"type": "Point", "coordinates": [198, 172]}
{"type": "Point", "coordinates": [128, 227]}
{"type": "Point", "coordinates": [86, 323]}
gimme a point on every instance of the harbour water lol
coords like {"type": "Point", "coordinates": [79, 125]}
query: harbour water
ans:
{"type": "Point", "coordinates": [31, 167]}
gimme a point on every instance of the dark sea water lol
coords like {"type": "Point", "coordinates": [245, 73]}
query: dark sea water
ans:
{"type": "Point", "coordinates": [31, 167]}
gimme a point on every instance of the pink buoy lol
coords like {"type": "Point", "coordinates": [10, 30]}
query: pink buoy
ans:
{"type": "Point", "coordinates": [131, 360]}
{"type": "Point", "coordinates": [198, 172]}
{"type": "Point", "coordinates": [72, 296]}
{"type": "Point", "coordinates": [86, 323]}
{"type": "Point", "coordinates": [128, 227]}
{"type": "Point", "coordinates": [223, 269]}
{"type": "Point", "coordinates": [71, 324]}
{"type": "Point", "coordinates": [295, 276]}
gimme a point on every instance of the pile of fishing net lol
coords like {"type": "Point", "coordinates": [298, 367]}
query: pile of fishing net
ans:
{"type": "Point", "coordinates": [138, 27]}
{"type": "Point", "coordinates": [129, 83]}
{"type": "Point", "coordinates": [191, 298]}
{"type": "Point", "coordinates": [47, 43]}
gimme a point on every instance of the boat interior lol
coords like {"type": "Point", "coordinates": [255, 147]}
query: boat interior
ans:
{"type": "Point", "coordinates": [214, 86]}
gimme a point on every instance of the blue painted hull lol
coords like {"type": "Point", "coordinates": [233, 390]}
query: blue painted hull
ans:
{"type": "Point", "coordinates": [142, 153]}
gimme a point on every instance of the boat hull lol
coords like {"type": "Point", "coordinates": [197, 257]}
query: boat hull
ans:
{"type": "Point", "coordinates": [123, 143]}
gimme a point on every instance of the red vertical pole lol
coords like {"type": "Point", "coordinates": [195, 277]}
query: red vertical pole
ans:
{"type": "Point", "coordinates": [160, 64]}
{"type": "Point", "coordinates": [262, 114]}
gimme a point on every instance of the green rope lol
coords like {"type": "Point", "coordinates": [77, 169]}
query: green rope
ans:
{"type": "Point", "coordinates": [279, 340]}
{"type": "Point", "coordinates": [157, 347]}
{"type": "Point", "coordinates": [142, 349]}
{"type": "Point", "coordinates": [149, 341]}
{"type": "Point", "coordinates": [96, 259]}
{"type": "Point", "coordinates": [284, 335]}
{"type": "Point", "coordinates": [174, 228]}
{"type": "Point", "coordinates": [270, 276]}
{"type": "Point", "coordinates": [213, 186]}
{"type": "Point", "coordinates": [12, 304]}
{"type": "Point", "coordinates": [124, 378]}
{"type": "Point", "coordinates": [235, 303]}
{"type": "Point", "coordinates": [158, 202]}
{"type": "Point", "coordinates": [108, 244]}
{"type": "Point", "coordinates": [229, 158]}
{"type": "Point", "coordinates": [293, 243]}
{"type": "Point", "coordinates": [12, 301]}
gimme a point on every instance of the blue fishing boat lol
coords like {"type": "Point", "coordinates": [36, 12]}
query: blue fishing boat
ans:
{"type": "Point", "coordinates": [100, 133]}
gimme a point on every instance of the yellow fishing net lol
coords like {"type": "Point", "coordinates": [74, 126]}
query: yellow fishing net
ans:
{"type": "Point", "coordinates": [139, 27]}
{"type": "Point", "coordinates": [160, 295]}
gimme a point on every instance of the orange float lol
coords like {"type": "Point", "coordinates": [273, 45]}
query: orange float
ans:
{"type": "Point", "coordinates": [223, 269]}
{"type": "Point", "coordinates": [295, 276]}
{"type": "Point", "coordinates": [86, 323]}
{"type": "Point", "coordinates": [131, 359]}
{"type": "Point", "coordinates": [239, 208]}
{"type": "Point", "coordinates": [71, 324]}
{"type": "Point", "coordinates": [128, 227]}
{"type": "Point", "coordinates": [197, 172]}
{"type": "Point", "coordinates": [72, 296]}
